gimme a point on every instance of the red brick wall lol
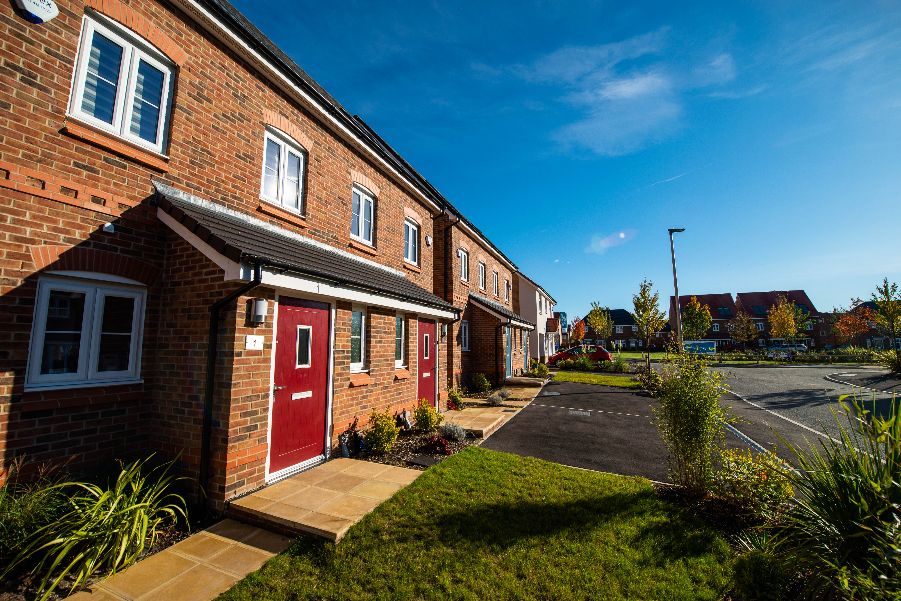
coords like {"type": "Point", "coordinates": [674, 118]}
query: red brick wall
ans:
{"type": "Point", "coordinates": [80, 179]}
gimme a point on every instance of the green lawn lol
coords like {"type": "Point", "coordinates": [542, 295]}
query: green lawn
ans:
{"type": "Point", "coordinates": [655, 355]}
{"type": "Point", "coordinates": [603, 379]}
{"type": "Point", "coordinates": [489, 525]}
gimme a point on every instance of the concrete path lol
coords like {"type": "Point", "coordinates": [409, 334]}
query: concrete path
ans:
{"type": "Point", "coordinates": [198, 568]}
{"type": "Point", "coordinates": [324, 501]}
{"type": "Point", "coordinates": [482, 420]}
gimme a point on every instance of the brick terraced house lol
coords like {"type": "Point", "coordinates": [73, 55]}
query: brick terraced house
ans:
{"type": "Point", "coordinates": [722, 310]}
{"type": "Point", "coordinates": [204, 254]}
{"type": "Point", "coordinates": [758, 305]}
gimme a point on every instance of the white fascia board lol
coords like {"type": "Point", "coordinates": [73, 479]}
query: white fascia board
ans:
{"type": "Point", "coordinates": [298, 283]}
{"type": "Point", "coordinates": [233, 41]}
{"type": "Point", "coordinates": [231, 269]}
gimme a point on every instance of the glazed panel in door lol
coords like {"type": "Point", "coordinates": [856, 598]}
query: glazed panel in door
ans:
{"type": "Point", "coordinates": [427, 360]}
{"type": "Point", "coordinates": [508, 363]}
{"type": "Point", "coordinates": [300, 383]}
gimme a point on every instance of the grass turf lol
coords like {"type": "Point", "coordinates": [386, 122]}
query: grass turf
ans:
{"type": "Point", "coordinates": [602, 379]}
{"type": "Point", "coordinates": [489, 525]}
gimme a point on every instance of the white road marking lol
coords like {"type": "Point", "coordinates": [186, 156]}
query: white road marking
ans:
{"type": "Point", "coordinates": [590, 411]}
{"type": "Point", "coordinates": [780, 416]}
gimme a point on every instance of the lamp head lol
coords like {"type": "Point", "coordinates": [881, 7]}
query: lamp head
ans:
{"type": "Point", "coordinates": [675, 230]}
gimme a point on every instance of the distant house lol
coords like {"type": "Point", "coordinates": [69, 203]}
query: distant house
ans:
{"type": "Point", "coordinates": [535, 305]}
{"type": "Point", "coordinates": [722, 309]}
{"type": "Point", "coordinates": [758, 305]}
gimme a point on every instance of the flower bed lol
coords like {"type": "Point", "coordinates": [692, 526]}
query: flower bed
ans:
{"type": "Point", "coordinates": [415, 444]}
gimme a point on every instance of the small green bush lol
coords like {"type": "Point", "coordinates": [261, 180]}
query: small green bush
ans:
{"type": "Point", "coordinates": [480, 383]}
{"type": "Point", "coordinates": [452, 431]}
{"type": "Point", "coordinates": [26, 507]}
{"type": "Point", "coordinates": [382, 432]}
{"type": "Point", "coordinates": [103, 530]}
{"type": "Point", "coordinates": [620, 366]}
{"type": "Point", "coordinates": [425, 417]}
{"type": "Point", "coordinates": [760, 576]}
{"type": "Point", "coordinates": [539, 370]}
{"type": "Point", "coordinates": [650, 380]}
{"type": "Point", "coordinates": [756, 483]}
{"type": "Point", "coordinates": [454, 399]}
{"type": "Point", "coordinates": [690, 420]}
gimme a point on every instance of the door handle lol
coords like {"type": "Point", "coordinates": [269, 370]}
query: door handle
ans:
{"type": "Point", "coordinates": [279, 387]}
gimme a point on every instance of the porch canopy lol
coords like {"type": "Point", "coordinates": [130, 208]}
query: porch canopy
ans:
{"type": "Point", "coordinates": [501, 312]}
{"type": "Point", "coordinates": [237, 242]}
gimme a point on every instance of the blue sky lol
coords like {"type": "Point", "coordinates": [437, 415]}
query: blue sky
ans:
{"type": "Point", "coordinates": [575, 133]}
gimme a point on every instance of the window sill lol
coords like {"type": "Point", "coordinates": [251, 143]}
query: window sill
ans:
{"type": "Point", "coordinates": [465, 283]}
{"type": "Point", "coordinates": [117, 145]}
{"type": "Point", "coordinates": [74, 385]}
{"type": "Point", "coordinates": [360, 379]}
{"type": "Point", "coordinates": [370, 250]}
{"type": "Point", "coordinates": [284, 214]}
{"type": "Point", "coordinates": [402, 373]}
{"type": "Point", "coordinates": [412, 267]}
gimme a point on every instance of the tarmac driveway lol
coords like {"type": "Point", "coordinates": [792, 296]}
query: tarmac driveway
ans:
{"type": "Point", "coordinates": [587, 426]}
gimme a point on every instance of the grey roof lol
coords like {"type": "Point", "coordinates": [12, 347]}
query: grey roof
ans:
{"type": "Point", "coordinates": [499, 309]}
{"type": "Point", "coordinates": [243, 238]}
{"type": "Point", "coordinates": [262, 44]}
{"type": "Point", "coordinates": [621, 317]}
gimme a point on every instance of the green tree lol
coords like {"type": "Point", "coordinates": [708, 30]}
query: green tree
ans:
{"type": "Point", "coordinates": [648, 316]}
{"type": "Point", "coordinates": [600, 321]}
{"type": "Point", "coordinates": [786, 319]}
{"type": "Point", "coordinates": [743, 329]}
{"type": "Point", "coordinates": [696, 319]}
{"type": "Point", "coordinates": [888, 316]}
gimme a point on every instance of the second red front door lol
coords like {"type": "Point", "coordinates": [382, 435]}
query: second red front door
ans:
{"type": "Point", "coordinates": [300, 383]}
{"type": "Point", "coordinates": [427, 360]}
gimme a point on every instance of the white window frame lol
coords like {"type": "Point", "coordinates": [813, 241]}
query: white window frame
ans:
{"type": "Point", "coordinates": [134, 50]}
{"type": "Point", "coordinates": [286, 145]}
{"type": "Point", "coordinates": [506, 290]}
{"type": "Point", "coordinates": [619, 329]}
{"type": "Point", "coordinates": [464, 265]}
{"type": "Point", "coordinates": [760, 326]}
{"type": "Point", "coordinates": [715, 327]}
{"type": "Point", "coordinates": [411, 244]}
{"type": "Point", "coordinates": [464, 335]}
{"type": "Point", "coordinates": [365, 196]}
{"type": "Point", "coordinates": [309, 363]}
{"type": "Point", "coordinates": [496, 283]}
{"type": "Point", "coordinates": [483, 276]}
{"type": "Point", "coordinates": [359, 366]}
{"type": "Point", "coordinates": [402, 362]}
{"type": "Point", "coordinates": [95, 292]}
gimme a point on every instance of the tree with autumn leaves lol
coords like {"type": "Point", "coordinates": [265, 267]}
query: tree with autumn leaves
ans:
{"type": "Point", "coordinates": [577, 335]}
{"type": "Point", "coordinates": [887, 316]}
{"type": "Point", "coordinates": [600, 321]}
{"type": "Point", "coordinates": [853, 323]}
{"type": "Point", "coordinates": [743, 329]}
{"type": "Point", "coordinates": [786, 319]}
{"type": "Point", "coordinates": [696, 319]}
{"type": "Point", "coordinates": [648, 317]}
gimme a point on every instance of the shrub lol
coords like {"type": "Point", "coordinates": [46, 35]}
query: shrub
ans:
{"type": "Point", "coordinates": [650, 380]}
{"type": "Point", "coordinates": [690, 420]}
{"type": "Point", "coordinates": [27, 507]}
{"type": "Point", "coordinates": [382, 432]}
{"type": "Point", "coordinates": [425, 417]}
{"type": "Point", "coordinates": [454, 399]}
{"type": "Point", "coordinates": [495, 399]}
{"type": "Point", "coordinates": [438, 445]}
{"type": "Point", "coordinates": [539, 370]}
{"type": "Point", "coordinates": [480, 383]}
{"type": "Point", "coordinates": [845, 525]}
{"type": "Point", "coordinates": [619, 365]}
{"type": "Point", "coordinates": [504, 394]}
{"type": "Point", "coordinates": [756, 483]}
{"type": "Point", "coordinates": [760, 576]}
{"type": "Point", "coordinates": [605, 366]}
{"type": "Point", "coordinates": [452, 431]}
{"type": "Point", "coordinates": [102, 530]}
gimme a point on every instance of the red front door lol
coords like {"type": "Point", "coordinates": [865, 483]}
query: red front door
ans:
{"type": "Point", "coordinates": [427, 360]}
{"type": "Point", "coordinates": [300, 383]}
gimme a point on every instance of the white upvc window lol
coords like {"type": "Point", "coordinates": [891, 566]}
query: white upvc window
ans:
{"type": "Point", "coordinates": [400, 341]}
{"type": "Point", "coordinates": [464, 265]}
{"type": "Point", "coordinates": [760, 326]}
{"type": "Point", "coordinates": [85, 332]}
{"type": "Point", "coordinates": [496, 283]}
{"type": "Point", "coordinates": [482, 276]}
{"type": "Point", "coordinates": [716, 327]}
{"type": "Point", "coordinates": [619, 329]}
{"type": "Point", "coordinates": [362, 218]}
{"type": "Point", "coordinates": [122, 85]}
{"type": "Point", "coordinates": [464, 335]}
{"type": "Point", "coordinates": [284, 171]}
{"type": "Point", "coordinates": [358, 339]}
{"type": "Point", "coordinates": [411, 242]}
{"type": "Point", "coordinates": [506, 290]}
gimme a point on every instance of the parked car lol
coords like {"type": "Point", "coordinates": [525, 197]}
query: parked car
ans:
{"type": "Point", "coordinates": [595, 353]}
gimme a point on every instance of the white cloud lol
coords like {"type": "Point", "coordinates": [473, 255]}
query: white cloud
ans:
{"type": "Point", "coordinates": [601, 244]}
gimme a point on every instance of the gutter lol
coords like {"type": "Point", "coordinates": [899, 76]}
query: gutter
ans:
{"type": "Point", "coordinates": [211, 356]}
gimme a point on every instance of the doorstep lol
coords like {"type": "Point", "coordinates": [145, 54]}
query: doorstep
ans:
{"type": "Point", "coordinates": [199, 568]}
{"type": "Point", "coordinates": [324, 501]}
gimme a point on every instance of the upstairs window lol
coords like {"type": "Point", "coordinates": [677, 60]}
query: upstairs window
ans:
{"type": "Point", "coordinates": [411, 242]}
{"type": "Point", "coordinates": [495, 282]}
{"type": "Point", "coordinates": [121, 84]}
{"type": "Point", "coordinates": [760, 326]}
{"type": "Point", "coordinates": [362, 215]}
{"type": "Point", "coordinates": [716, 327]}
{"type": "Point", "coordinates": [464, 265]}
{"type": "Point", "coordinates": [506, 290]}
{"type": "Point", "coordinates": [284, 168]}
{"type": "Point", "coordinates": [482, 276]}
{"type": "Point", "coordinates": [85, 332]}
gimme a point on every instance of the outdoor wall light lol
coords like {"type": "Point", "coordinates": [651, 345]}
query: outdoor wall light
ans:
{"type": "Point", "coordinates": [257, 308]}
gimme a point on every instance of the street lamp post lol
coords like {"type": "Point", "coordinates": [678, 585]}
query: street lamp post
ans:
{"type": "Point", "coordinates": [672, 249]}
